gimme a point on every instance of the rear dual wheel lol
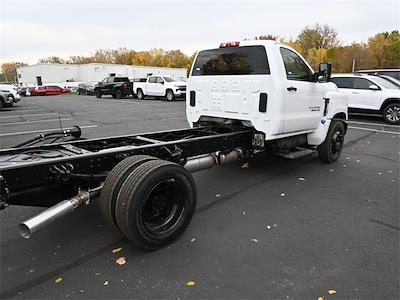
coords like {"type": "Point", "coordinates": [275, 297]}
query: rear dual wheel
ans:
{"type": "Point", "coordinates": [149, 200]}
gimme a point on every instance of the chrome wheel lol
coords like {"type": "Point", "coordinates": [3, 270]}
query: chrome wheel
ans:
{"type": "Point", "coordinates": [392, 113]}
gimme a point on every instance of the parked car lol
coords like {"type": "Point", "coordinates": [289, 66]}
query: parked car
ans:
{"type": "Point", "coordinates": [6, 100]}
{"type": "Point", "coordinates": [11, 89]}
{"type": "Point", "coordinates": [85, 89]}
{"type": "Point", "coordinates": [370, 94]}
{"type": "Point", "coordinates": [118, 87]}
{"type": "Point", "coordinates": [48, 90]}
{"type": "Point", "coordinates": [395, 73]}
{"type": "Point", "coordinates": [161, 86]}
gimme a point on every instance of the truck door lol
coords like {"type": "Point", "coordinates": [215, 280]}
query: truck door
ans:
{"type": "Point", "coordinates": [302, 96]}
{"type": "Point", "coordinates": [159, 87]}
{"type": "Point", "coordinates": [151, 86]}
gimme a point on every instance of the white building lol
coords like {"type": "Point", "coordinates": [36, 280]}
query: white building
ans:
{"type": "Point", "coordinates": [69, 74]}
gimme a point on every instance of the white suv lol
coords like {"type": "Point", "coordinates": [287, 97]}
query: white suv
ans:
{"type": "Point", "coordinates": [11, 89]}
{"type": "Point", "coordinates": [370, 94]}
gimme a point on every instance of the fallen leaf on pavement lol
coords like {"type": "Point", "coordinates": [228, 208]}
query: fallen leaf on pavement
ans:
{"type": "Point", "coordinates": [193, 240]}
{"type": "Point", "coordinates": [275, 225]}
{"type": "Point", "coordinates": [320, 298]}
{"type": "Point", "coordinates": [116, 250]}
{"type": "Point", "coordinates": [58, 280]}
{"type": "Point", "coordinates": [331, 292]}
{"type": "Point", "coordinates": [245, 166]}
{"type": "Point", "coordinates": [190, 283]}
{"type": "Point", "coordinates": [302, 179]}
{"type": "Point", "coordinates": [121, 261]}
{"type": "Point", "coordinates": [268, 227]}
{"type": "Point", "coordinates": [254, 240]}
{"type": "Point", "coordinates": [218, 195]}
{"type": "Point", "coordinates": [283, 194]}
{"type": "Point", "coordinates": [105, 282]}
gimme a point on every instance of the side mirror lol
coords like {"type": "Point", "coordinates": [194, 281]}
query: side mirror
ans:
{"type": "Point", "coordinates": [374, 87]}
{"type": "Point", "coordinates": [325, 70]}
{"type": "Point", "coordinates": [162, 82]}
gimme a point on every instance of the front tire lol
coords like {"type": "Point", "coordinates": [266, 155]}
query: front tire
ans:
{"type": "Point", "coordinates": [330, 150]}
{"type": "Point", "coordinates": [391, 113]}
{"type": "Point", "coordinates": [156, 204]}
{"type": "Point", "coordinates": [139, 94]}
{"type": "Point", "coordinates": [98, 94]}
{"type": "Point", "coordinates": [170, 95]}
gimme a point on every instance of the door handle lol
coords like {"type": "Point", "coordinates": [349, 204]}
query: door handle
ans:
{"type": "Point", "coordinates": [292, 88]}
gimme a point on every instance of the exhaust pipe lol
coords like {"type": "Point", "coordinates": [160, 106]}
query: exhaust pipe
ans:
{"type": "Point", "coordinates": [207, 161]}
{"type": "Point", "coordinates": [64, 208]}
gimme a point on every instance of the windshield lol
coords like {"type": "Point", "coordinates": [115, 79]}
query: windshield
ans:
{"type": "Point", "coordinates": [169, 79]}
{"type": "Point", "coordinates": [183, 79]}
{"type": "Point", "coordinates": [386, 83]}
{"type": "Point", "coordinates": [392, 80]}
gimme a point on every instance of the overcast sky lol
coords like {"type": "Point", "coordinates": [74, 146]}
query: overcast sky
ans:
{"type": "Point", "coordinates": [32, 29]}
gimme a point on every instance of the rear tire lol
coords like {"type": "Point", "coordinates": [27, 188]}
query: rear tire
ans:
{"type": "Point", "coordinates": [113, 183]}
{"type": "Point", "coordinates": [330, 150]}
{"type": "Point", "coordinates": [98, 94]}
{"type": "Point", "coordinates": [391, 113]}
{"type": "Point", "coordinates": [118, 94]}
{"type": "Point", "coordinates": [170, 95]}
{"type": "Point", "coordinates": [156, 204]}
{"type": "Point", "coordinates": [139, 94]}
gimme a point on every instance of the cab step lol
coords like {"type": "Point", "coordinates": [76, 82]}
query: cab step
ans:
{"type": "Point", "coordinates": [297, 153]}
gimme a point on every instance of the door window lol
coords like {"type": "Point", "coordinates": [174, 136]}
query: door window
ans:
{"type": "Point", "coordinates": [343, 82]}
{"type": "Point", "coordinates": [159, 80]}
{"type": "Point", "coordinates": [362, 84]}
{"type": "Point", "coordinates": [152, 80]}
{"type": "Point", "coordinates": [296, 68]}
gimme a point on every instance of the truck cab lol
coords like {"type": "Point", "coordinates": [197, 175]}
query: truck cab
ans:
{"type": "Point", "coordinates": [268, 86]}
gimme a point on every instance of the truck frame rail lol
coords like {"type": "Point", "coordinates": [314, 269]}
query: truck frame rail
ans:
{"type": "Point", "coordinates": [45, 175]}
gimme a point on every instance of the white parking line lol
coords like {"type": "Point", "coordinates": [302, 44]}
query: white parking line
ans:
{"type": "Point", "coordinates": [32, 115]}
{"type": "Point", "coordinates": [374, 124]}
{"type": "Point", "coordinates": [25, 110]}
{"type": "Point", "coordinates": [41, 131]}
{"type": "Point", "coordinates": [37, 121]}
{"type": "Point", "coordinates": [374, 130]}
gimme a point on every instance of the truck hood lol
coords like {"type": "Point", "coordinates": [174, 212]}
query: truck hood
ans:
{"type": "Point", "coordinates": [179, 83]}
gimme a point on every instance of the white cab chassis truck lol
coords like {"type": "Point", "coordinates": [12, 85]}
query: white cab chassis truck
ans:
{"type": "Point", "coordinates": [243, 99]}
{"type": "Point", "coordinates": [270, 87]}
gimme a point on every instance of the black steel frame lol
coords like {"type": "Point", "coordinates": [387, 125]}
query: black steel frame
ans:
{"type": "Point", "coordinates": [44, 175]}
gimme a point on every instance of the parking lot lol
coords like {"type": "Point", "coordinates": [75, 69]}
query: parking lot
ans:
{"type": "Point", "coordinates": [267, 228]}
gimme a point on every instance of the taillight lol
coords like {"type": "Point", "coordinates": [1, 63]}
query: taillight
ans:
{"type": "Point", "coordinates": [229, 44]}
{"type": "Point", "coordinates": [124, 85]}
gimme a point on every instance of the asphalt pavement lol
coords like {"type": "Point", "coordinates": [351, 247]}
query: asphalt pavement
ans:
{"type": "Point", "coordinates": [265, 229]}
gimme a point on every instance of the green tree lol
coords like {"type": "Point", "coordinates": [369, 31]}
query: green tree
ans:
{"type": "Point", "coordinates": [9, 71]}
{"type": "Point", "coordinates": [52, 60]}
{"type": "Point", "coordinates": [318, 36]}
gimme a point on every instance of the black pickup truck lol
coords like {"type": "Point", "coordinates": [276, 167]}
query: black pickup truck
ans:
{"type": "Point", "coordinates": [118, 87]}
